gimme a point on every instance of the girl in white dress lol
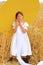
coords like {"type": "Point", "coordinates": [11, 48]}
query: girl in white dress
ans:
{"type": "Point", "coordinates": [20, 44]}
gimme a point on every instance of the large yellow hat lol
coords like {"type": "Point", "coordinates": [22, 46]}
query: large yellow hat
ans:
{"type": "Point", "coordinates": [29, 8]}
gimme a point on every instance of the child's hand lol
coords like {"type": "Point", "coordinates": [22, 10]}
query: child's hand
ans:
{"type": "Point", "coordinates": [15, 28]}
{"type": "Point", "coordinates": [22, 27]}
{"type": "Point", "coordinates": [20, 23]}
{"type": "Point", "coordinates": [17, 23]}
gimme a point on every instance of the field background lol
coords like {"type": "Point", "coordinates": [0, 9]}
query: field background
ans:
{"type": "Point", "coordinates": [34, 15]}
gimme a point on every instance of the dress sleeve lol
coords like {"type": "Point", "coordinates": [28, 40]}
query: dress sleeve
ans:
{"type": "Point", "coordinates": [26, 25]}
{"type": "Point", "coordinates": [13, 24]}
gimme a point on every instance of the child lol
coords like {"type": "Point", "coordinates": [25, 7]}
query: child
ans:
{"type": "Point", "coordinates": [20, 45]}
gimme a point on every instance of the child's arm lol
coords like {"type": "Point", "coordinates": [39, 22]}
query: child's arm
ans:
{"type": "Point", "coordinates": [23, 29]}
{"type": "Point", "coordinates": [15, 27]}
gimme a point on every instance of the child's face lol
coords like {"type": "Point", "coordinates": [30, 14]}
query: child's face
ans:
{"type": "Point", "coordinates": [20, 18]}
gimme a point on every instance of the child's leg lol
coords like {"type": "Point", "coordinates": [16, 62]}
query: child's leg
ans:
{"type": "Point", "coordinates": [11, 57]}
{"type": "Point", "coordinates": [14, 58]}
{"type": "Point", "coordinates": [28, 58]}
{"type": "Point", "coordinates": [25, 59]}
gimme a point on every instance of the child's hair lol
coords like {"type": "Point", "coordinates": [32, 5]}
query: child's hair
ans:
{"type": "Point", "coordinates": [18, 13]}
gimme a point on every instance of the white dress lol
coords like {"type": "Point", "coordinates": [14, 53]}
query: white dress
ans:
{"type": "Point", "coordinates": [40, 63]}
{"type": "Point", "coordinates": [20, 42]}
